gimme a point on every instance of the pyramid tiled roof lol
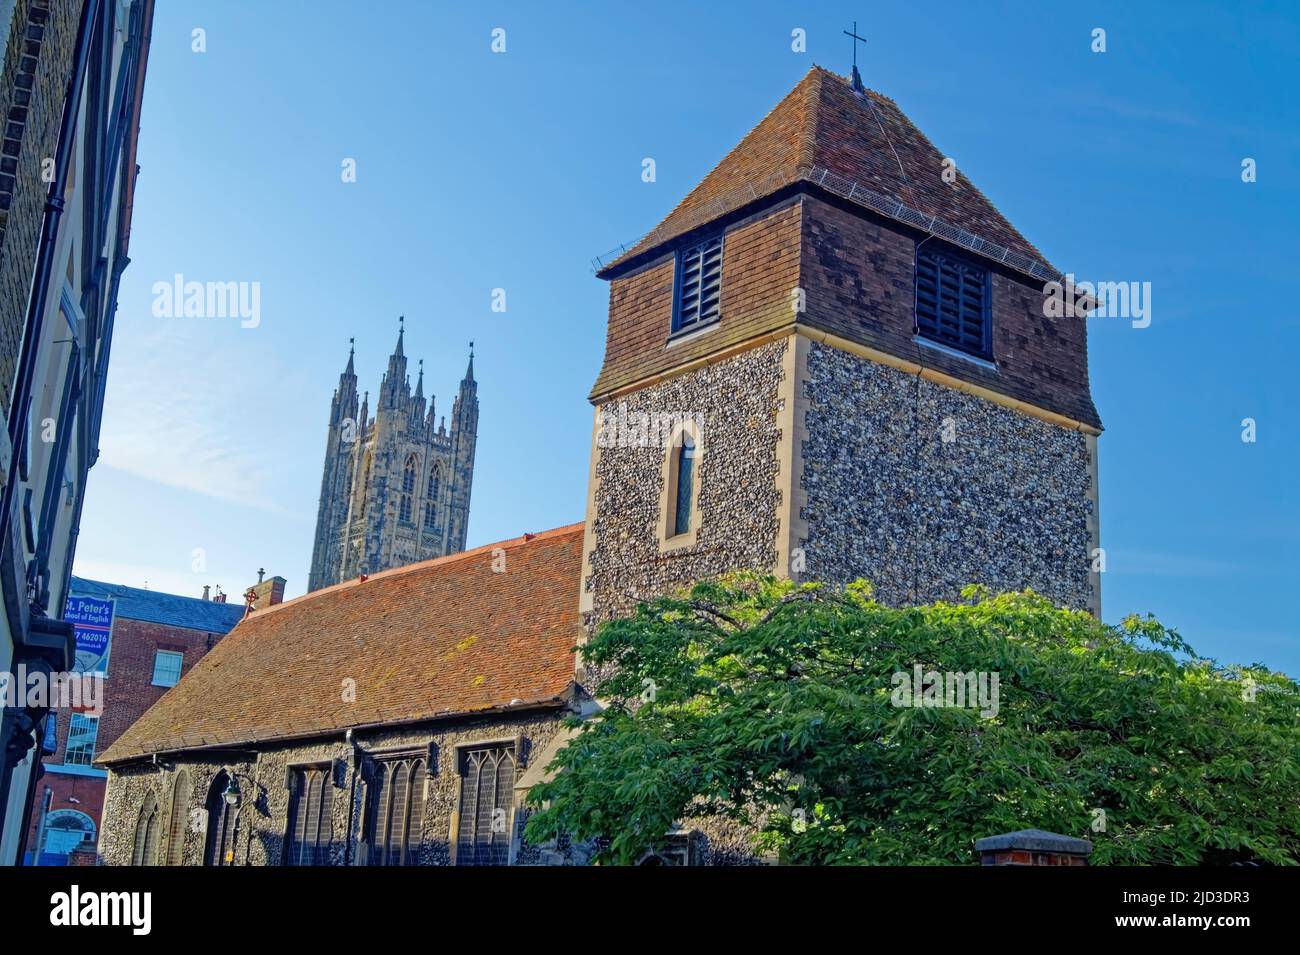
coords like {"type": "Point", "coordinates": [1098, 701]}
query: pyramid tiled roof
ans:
{"type": "Point", "coordinates": [445, 637]}
{"type": "Point", "coordinates": [858, 144]}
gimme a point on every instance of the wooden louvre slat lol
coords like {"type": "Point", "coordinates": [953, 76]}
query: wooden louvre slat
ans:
{"type": "Point", "coordinates": [951, 301]}
{"type": "Point", "coordinates": [699, 284]}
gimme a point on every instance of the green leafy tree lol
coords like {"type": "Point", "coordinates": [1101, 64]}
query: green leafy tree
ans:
{"type": "Point", "coordinates": [777, 705]}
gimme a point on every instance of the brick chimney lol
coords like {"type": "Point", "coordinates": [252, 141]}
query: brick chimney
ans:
{"type": "Point", "coordinates": [1033, 847]}
{"type": "Point", "coordinates": [267, 592]}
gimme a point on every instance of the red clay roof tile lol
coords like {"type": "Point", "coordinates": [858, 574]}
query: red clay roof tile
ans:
{"type": "Point", "coordinates": [443, 637]}
{"type": "Point", "coordinates": [822, 124]}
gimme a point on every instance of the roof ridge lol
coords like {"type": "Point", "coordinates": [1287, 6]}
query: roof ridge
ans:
{"type": "Point", "coordinates": [844, 80]}
{"type": "Point", "coordinates": [87, 582]}
{"type": "Point", "coordinates": [966, 180]}
{"type": "Point", "coordinates": [446, 559]}
{"type": "Point", "coordinates": [728, 154]}
{"type": "Point", "coordinates": [835, 128]}
{"type": "Point", "coordinates": [812, 113]}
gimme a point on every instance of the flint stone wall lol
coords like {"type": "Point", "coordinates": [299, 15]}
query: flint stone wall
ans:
{"type": "Point", "coordinates": [264, 815]}
{"type": "Point", "coordinates": [922, 489]}
{"type": "Point", "coordinates": [738, 399]}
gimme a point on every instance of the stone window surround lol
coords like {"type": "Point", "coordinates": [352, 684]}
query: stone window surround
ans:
{"type": "Point", "coordinates": [228, 818]}
{"type": "Point", "coordinates": [986, 363]}
{"type": "Point", "coordinates": [330, 769]}
{"type": "Point", "coordinates": [516, 745]}
{"type": "Point", "coordinates": [181, 795]}
{"type": "Point", "coordinates": [678, 849]}
{"type": "Point", "coordinates": [668, 541]}
{"type": "Point", "coordinates": [368, 760]}
{"type": "Point", "coordinates": [144, 850]}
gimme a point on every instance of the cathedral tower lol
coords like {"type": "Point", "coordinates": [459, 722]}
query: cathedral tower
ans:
{"type": "Point", "coordinates": [833, 360]}
{"type": "Point", "coordinates": [395, 488]}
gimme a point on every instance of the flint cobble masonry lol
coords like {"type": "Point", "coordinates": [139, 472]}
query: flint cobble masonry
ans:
{"type": "Point", "coordinates": [922, 489]}
{"type": "Point", "coordinates": [264, 811]}
{"type": "Point", "coordinates": [738, 495]}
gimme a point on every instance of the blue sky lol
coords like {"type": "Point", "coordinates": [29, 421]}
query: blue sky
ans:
{"type": "Point", "coordinates": [478, 170]}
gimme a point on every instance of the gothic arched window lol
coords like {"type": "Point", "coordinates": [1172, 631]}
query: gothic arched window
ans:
{"type": "Point", "coordinates": [223, 824]}
{"type": "Point", "coordinates": [396, 813]}
{"type": "Point", "coordinates": [679, 514]}
{"type": "Point", "coordinates": [408, 490]}
{"type": "Point", "coordinates": [486, 792]}
{"type": "Point", "coordinates": [179, 819]}
{"type": "Point", "coordinates": [311, 817]}
{"type": "Point", "coordinates": [430, 507]}
{"type": "Point", "coordinates": [146, 833]}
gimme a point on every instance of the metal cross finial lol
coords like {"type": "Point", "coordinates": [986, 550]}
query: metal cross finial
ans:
{"type": "Point", "coordinates": [471, 349]}
{"type": "Point", "coordinates": [857, 77]}
{"type": "Point", "coordinates": [856, 38]}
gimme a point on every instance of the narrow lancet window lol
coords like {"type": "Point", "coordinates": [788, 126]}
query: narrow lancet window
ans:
{"type": "Point", "coordinates": [685, 479]}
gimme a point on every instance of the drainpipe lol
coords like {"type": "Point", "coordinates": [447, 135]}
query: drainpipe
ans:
{"type": "Point", "coordinates": [355, 769]}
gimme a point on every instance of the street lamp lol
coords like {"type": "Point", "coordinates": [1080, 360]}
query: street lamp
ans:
{"type": "Point", "coordinates": [231, 795]}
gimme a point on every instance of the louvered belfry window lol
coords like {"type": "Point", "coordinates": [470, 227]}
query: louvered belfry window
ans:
{"type": "Point", "coordinates": [952, 301]}
{"type": "Point", "coordinates": [698, 285]}
{"type": "Point", "coordinates": [486, 795]}
{"type": "Point", "coordinates": [396, 811]}
{"type": "Point", "coordinates": [311, 817]}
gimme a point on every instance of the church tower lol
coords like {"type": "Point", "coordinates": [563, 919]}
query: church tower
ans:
{"type": "Point", "coordinates": [833, 360]}
{"type": "Point", "coordinates": [395, 488]}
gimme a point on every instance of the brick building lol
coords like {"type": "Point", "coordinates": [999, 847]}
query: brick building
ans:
{"type": "Point", "coordinates": [156, 639]}
{"type": "Point", "coordinates": [831, 360]}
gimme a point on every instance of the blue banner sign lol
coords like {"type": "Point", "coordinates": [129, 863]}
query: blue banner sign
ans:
{"type": "Point", "coordinates": [92, 619]}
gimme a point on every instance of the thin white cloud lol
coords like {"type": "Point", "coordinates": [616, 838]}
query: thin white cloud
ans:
{"type": "Point", "coordinates": [176, 412]}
